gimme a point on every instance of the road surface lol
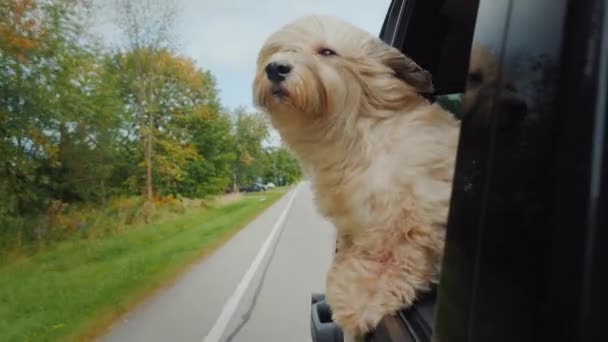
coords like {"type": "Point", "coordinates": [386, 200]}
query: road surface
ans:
{"type": "Point", "coordinates": [255, 288]}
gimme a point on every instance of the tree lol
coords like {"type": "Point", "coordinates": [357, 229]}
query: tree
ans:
{"type": "Point", "coordinates": [212, 174]}
{"type": "Point", "coordinates": [80, 123]}
{"type": "Point", "coordinates": [89, 118]}
{"type": "Point", "coordinates": [48, 79]}
{"type": "Point", "coordinates": [147, 26]}
{"type": "Point", "coordinates": [182, 102]}
{"type": "Point", "coordinates": [250, 131]}
{"type": "Point", "coordinates": [280, 167]}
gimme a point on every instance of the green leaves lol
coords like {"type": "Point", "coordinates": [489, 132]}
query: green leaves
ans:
{"type": "Point", "coordinates": [280, 167]}
{"type": "Point", "coordinates": [82, 124]}
{"type": "Point", "coordinates": [250, 131]}
{"type": "Point", "coordinates": [40, 99]}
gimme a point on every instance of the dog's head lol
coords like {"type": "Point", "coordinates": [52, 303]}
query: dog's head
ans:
{"type": "Point", "coordinates": [483, 72]}
{"type": "Point", "coordinates": [319, 68]}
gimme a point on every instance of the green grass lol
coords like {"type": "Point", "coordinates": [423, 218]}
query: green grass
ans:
{"type": "Point", "coordinates": [75, 289]}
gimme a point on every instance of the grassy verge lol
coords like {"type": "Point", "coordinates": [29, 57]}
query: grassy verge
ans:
{"type": "Point", "coordinates": [74, 290]}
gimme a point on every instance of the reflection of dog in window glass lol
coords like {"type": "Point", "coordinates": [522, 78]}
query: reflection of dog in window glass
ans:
{"type": "Point", "coordinates": [482, 84]}
{"type": "Point", "coordinates": [379, 154]}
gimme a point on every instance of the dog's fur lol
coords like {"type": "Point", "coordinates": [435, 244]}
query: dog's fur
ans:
{"type": "Point", "coordinates": [380, 157]}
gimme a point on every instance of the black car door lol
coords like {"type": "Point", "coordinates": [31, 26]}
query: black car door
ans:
{"type": "Point", "coordinates": [495, 274]}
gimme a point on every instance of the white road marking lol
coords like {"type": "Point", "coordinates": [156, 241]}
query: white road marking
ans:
{"type": "Point", "coordinates": [232, 303]}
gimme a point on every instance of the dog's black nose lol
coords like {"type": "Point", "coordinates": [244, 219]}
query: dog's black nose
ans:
{"type": "Point", "coordinates": [277, 71]}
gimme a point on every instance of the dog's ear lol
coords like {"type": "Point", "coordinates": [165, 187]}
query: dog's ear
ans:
{"type": "Point", "coordinates": [406, 69]}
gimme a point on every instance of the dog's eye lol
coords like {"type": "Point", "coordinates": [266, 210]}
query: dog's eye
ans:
{"type": "Point", "coordinates": [326, 52]}
{"type": "Point", "coordinates": [475, 77]}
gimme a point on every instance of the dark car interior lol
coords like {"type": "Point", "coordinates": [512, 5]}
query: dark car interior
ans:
{"type": "Point", "coordinates": [524, 246]}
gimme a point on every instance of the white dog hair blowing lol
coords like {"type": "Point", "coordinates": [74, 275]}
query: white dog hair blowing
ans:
{"type": "Point", "coordinates": [380, 156]}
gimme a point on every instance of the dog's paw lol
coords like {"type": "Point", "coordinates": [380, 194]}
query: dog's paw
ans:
{"type": "Point", "coordinates": [357, 323]}
{"type": "Point", "coordinates": [361, 292]}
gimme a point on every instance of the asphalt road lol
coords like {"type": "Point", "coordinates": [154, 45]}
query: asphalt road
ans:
{"type": "Point", "coordinates": [226, 296]}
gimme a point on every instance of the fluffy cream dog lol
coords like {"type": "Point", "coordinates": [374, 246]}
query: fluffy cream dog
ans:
{"type": "Point", "coordinates": [380, 157]}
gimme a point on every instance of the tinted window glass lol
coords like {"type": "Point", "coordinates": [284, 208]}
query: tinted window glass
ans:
{"type": "Point", "coordinates": [499, 220]}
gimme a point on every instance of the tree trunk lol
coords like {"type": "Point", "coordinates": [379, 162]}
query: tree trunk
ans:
{"type": "Point", "coordinates": [103, 192]}
{"type": "Point", "coordinates": [235, 187]}
{"type": "Point", "coordinates": [149, 204]}
{"type": "Point", "coordinates": [148, 160]}
{"type": "Point", "coordinates": [150, 143]}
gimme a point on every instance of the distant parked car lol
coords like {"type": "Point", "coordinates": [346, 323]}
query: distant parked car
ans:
{"type": "Point", "coordinates": [255, 187]}
{"type": "Point", "coordinates": [262, 186]}
{"type": "Point", "coordinates": [270, 185]}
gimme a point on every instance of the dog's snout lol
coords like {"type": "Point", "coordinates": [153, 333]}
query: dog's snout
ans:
{"type": "Point", "coordinates": [277, 71]}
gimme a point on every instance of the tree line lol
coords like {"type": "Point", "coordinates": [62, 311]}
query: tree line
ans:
{"type": "Point", "coordinates": [81, 122]}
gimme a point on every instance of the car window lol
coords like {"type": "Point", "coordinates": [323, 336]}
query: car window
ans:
{"type": "Point", "coordinates": [441, 48]}
{"type": "Point", "coordinates": [501, 188]}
